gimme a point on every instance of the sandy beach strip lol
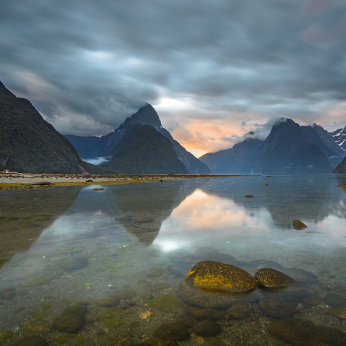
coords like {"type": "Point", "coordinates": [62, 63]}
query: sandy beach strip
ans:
{"type": "Point", "coordinates": [24, 179]}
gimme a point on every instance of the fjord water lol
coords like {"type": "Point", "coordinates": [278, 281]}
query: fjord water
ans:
{"type": "Point", "coordinates": [142, 239]}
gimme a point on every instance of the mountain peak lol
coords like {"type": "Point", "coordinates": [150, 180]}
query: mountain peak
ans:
{"type": "Point", "coordinates": [147, 115]}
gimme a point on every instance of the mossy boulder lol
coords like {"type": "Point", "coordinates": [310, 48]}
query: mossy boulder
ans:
{"type": "Point", "coordinates": [204, 299]}
{"type": "Point", "coordinates": [8, 293]}
{"type": "Point", "coordinates": [337, 312]}
{"type": "Point", "coordinates": [271, 278]}
{"type": "Point", "coordinates": [298, 225]}
{"type": "Point", "coordinates": [77, 309]}
{"type": "Point", "coordinates": [220, 278]}
{"type": "Point", "coordinates": [5, 336]}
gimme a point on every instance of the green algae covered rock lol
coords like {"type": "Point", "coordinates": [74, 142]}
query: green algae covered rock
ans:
{"type": "Point", "coordinates": [271, 278]}
{"type": "Point", "coordinates": [219, 277]}
{"type": "Point", "coordinates": [298, 225]}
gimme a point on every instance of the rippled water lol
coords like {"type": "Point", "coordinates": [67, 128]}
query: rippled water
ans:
{"type": "Point", "coordinates": [73, 245]}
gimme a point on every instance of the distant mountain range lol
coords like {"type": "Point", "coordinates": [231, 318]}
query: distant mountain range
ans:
{"type": "Point", "coordinates": [125, 140]}
{"type": "Point", "coordinates": [289, 148]}
{"type": "Point", "coordinates": [141, 145]}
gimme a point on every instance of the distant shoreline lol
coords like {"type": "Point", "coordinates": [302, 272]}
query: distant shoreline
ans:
{"type": "Point", "coordinates": [28, 180]}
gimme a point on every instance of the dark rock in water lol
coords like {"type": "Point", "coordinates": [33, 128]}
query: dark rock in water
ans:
{"type": "Point", "coordinates": [75, 263]}
{"type": "Point", "coordinates": [157, 287]}
{"type": "Point", "coordinates": [8, 293]}
{"type": "Point", "coordinates": [168, 303]}
{"type": "Point", "coordinates": [219, 277]}
{"type": "Point", "coordinates": [186, 320]}
{"type": "Point", "coordinates": [172, 331]}
{"type": "Point", "coordinates": [334, 300]}
{"type": "Point", "coordinates": [207, 328]}
{"type": "Point", "coordinates": [202, 314]}
{"type": "Point", "coordinates": [31, 341]}
{"type": "Point", "coordinates": [301, 276]}
{"type": "Point", "coordinates": [248, 196]}
{"type": "Point", "coordinates": [78, 309]}
{"type": "Point", "coordinates": [203, 299]}
{"type": "Point", "coordinates": [98, 189]}
{"type": "Point", "coordinates": [330, 336]}
{"type": "Point", "coordinates": [123, 293]}
{"type": "Point", "coordinates": [108, 302]}
{"type": "Point", "coordinates": [69, 323]}
{"type": "Point", "coordinates": [337, 312]}
{"type": "Point", "coordinates": [278, 306]}
{"type": "Point", "coordinates": [311, 299]}
{"type": "Point", "coordinates": [295, 331]}
{"type": "Point", "coordinates": [271, 278]}
{"type": "Point", "coordinates": [298, 225]}
{"type": "Point", "coordinates": [239, 311]}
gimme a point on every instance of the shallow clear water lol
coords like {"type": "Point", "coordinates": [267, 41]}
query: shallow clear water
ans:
{"type": "Point", "coordinates": [74, 244]}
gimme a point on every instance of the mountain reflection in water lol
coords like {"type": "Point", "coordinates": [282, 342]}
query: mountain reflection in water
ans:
{"type": "Point", "coordinates": [145, 238]}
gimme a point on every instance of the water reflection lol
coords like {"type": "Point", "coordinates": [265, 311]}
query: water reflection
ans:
{"type": "Point", "coordinates": [143, 238]}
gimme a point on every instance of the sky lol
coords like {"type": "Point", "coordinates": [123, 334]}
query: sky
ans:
{"type": "Point", "coordinates": [213, 70]}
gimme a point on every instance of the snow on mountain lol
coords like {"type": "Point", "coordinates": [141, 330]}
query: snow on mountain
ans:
{"type": "Point", "coordinates": [336, 125]}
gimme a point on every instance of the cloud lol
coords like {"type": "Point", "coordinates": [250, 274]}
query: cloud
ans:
{"type": "Point", "coordinates": [86, 66]}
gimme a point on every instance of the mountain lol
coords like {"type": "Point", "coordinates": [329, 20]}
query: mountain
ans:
{"type": "Point", "coordinates": [334, 158]}
{"type": "Point", "coordinates": [288, 150]}
{"type": "Point", "coordinates": [328, 140]}
{"type": "Point", "coordinates": [240, 159]}
{"type": "Point", "coordinates": [144, 151]}
{"type": "Point", "coordinates": [341, 168]}
{"type": "Point", "coordinates": [106, 146]}
{"type": "Point", "coordinates": [28, 143]}
{"type": "Point", "coordinates": [338, 131]}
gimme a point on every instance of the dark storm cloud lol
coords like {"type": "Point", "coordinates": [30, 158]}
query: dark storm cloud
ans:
{"type": "Point", "coordinates": [87, 65]}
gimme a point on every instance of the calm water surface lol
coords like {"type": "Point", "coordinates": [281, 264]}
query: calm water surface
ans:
{"type": "Point", "coordinates": [135, 243]}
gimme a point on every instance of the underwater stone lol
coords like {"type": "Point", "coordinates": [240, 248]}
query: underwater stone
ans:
{"type": "Point", "coordinates": [69, 323]}
{"type": "Point", "coordinates": [31, 341]}
{"type": "Point", "coordinates": [122, 293]}
{"type": "Point", "coordinates": [108, 302]}
{"type": "Point", "coordinates": [219, 277]}
{"type": "Point", "coordinates": [35, 282]}
{"type": "Point", "coordinates": [168, 303]}
{"type": "Point", "coordinates": [172, 331]}
{"type": "Point", "coordinates": [239, 311]}
{"type": "Point", "coordinates": [334, 300]}
{"type": "Point", "coordinates": [207, 328]}
{"type": "Point", "coordinates": [271, 278]}
{"type": "Point", "coordinates": [75, 263]}
{"type": "Point", "coordinates": [278, 307]}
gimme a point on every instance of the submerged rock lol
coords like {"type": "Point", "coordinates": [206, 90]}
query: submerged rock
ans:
{"type": "Point", "coordinates": [75, 263]}
{"type": "Point", "coordinates": [31, 341]}
{"type": "Point", "coordinates": [337, 312]}
{"type": "Point", "coordinates": [298, 225]}
{"type": "Point", "coordinates": [69, 323]}
{"type": "Point", "coordinates": [278, 306]}
{"type": "Point", "coordinates": [239, 311]}
{"type": "Point", "coordinates": [301, 276]}
{"type": "Point", "coordinates": [295, 331]}
{"type": "Point", "coordinates": [122, 293]}
{"type": "Point", "coordinates": [207, 328]}
{"type": "Point", "coordinates": [172, 331]}
{"type": "Point", "coordinates": [334, 300]}
{"type": "Point", "coordinates": [219, 277]}
{"type": "Point", "coordinates": [168, 303]}
{"type": "Point", "coordinates": [108, 302]}
{"type": "Point", "coordinates": [271, 278]}
{"type": "Point", "coordinates": [300, 332]}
